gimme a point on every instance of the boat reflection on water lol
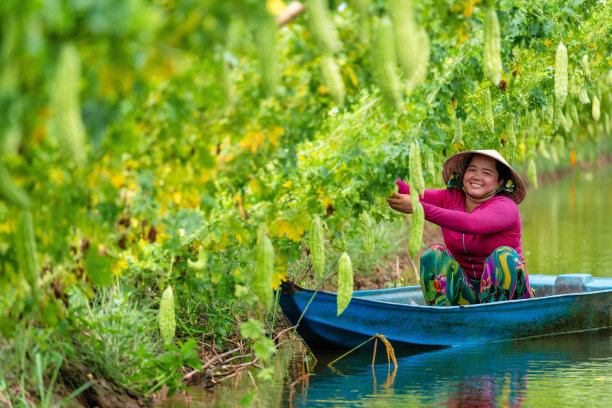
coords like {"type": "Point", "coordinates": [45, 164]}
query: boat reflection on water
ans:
{"type": "Point", "coordinates": [576, 366]}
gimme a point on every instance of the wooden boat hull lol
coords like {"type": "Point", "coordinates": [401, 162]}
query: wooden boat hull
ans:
{"type": "Point", "coordinates": [397, 314]}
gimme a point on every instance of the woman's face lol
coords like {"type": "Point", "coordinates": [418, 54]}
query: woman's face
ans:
{"type": "Point", "coordinates": [481, 176]}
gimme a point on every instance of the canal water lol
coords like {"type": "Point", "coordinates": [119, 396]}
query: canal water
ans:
{"type": "Point", "coordinates": [567, 228]}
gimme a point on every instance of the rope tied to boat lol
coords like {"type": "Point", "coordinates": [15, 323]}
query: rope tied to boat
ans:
{"type": "Point", "coordinates": [388, 348]}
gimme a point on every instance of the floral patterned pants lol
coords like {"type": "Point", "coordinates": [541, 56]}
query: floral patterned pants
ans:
{"type": "Point", "coordinates": [444, 283]}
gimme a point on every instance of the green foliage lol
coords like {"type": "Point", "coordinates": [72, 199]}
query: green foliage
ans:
{"type": "Point", "coordinates": [150, 153]}
{"type": "Point", "coordinates": [263, 346]}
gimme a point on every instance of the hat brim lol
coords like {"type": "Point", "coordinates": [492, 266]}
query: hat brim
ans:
{"type": "Point", "coordinates": [458, 162]}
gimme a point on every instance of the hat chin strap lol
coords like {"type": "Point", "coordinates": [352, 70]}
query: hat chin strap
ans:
{"type": "Point", "coordinates": [487, 195]}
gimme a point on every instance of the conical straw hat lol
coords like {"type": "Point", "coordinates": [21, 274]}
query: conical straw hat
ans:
{"type": "Point", "coordinates": [458, 162]}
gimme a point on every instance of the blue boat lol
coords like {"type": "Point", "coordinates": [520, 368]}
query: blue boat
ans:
{"type": "Point", "coordinates": [563, 304]}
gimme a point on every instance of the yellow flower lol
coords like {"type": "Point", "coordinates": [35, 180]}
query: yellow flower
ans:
{"type": "Point", "coordinates": [118, 268]}
{"type": "Point", "coordinates": [327, 202]}
{"type": "Point", "coordinates": [291, 228]}
{"type": "Point", "coordinates": [252, 141]}
{"type": "Point", "coordinates": [352, 76]}
{"type": "Point", "coordinates": [177, 197]}
{"type": "Point", "coordinates": [7, 227]}
{"type": "Point", "coordinates": [277, 278]}
{"type": "Point", "coordinates": [117, 179]}
{"type": "Point", "coordinates": [275, 7]}
{"type": "Point", "coordinates": [122, 264]}
{"type": "Point", "coordinates": [57, 175]}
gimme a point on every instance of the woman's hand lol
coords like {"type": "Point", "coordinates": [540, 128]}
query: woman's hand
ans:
{"type": "Point", "coordinates": [400, 202]}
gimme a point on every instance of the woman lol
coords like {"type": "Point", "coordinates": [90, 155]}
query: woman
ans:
{"type": "Point", "coordinates": [478, 213]}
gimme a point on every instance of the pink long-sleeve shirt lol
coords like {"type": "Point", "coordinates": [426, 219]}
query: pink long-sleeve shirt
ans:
{"type": "Point", "coordinates": [472, 237]}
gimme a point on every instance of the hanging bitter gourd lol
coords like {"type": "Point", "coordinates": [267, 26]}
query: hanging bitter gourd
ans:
{"type": "Point", "coordinates": [584, 62]}
{"type": "Point", "coordinates": [200, 264]}
{"type": "Point", "coordinates": [26, 250]}
{"type": "Point", "coordinates": [457, 130]}
{"type": "Point", "coordinates": [583, 96]}
{"type": "Point", "coordinates": [345, 282]}
{"type": "Point", "coordinates": [66, 123]}
{"type": "Point", "coordinates": [411, 42]}
{"type": "Point", "coordinates": [561, 75]}
{"type": "Point", "coordinates": [595, 108]}
{"type": "Point", "coordinates": [532, 173]}
{"type": "Point", "coordinates": [417, 187]}
{"type": "Point", "coordinates": [322, 26]}
{"type": "Point", "coordinates": [488, 111]}
{"type": "Point", "coordinates": [167, 316]}
{"type": "Point", "coordinates": [492, 47]}
{"type": "Point", "coordinates": [548, 110]}
{"type": "Point", "coordinates": [266, 44]}
{"type": "Point", "coordinates": [317, 247]}
{"type": "Point", "coordinates": [416, 230]}
{"type": "Point", "coordinates": [574, 112]}
{"type": "Point", "coordinates": [405, 29]}
{"type": "Point", "coordinates": [417, 183]}
{"type": "Point", "coordinates": [430, 166]}
{"type": "Point", "coordinates": [384, 62]}
{"type": "Point", "coordinates": [333, 78]}
{"type": "Point", "coordinates": [556, 122]}
{"type": "Point", "coordinates": [422, 63]}
{"type": "Point", "coordinates": [11, 192]}
{"type": "Point", "coordinates": [566, 123]}
{"type": "Point", "coordinates": [543, 149]}
{"type": "Point", "coordinates": [368, 233]}
{"type": "Point", "coordinates": [511, 138]}
{"type": "Point", "coordinates": [264, 270]}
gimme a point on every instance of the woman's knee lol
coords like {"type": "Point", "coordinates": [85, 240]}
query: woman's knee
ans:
{"type": "Point", "coordinates": [434, 250]}
{"type": "Point", "coordinates": [502, 252]}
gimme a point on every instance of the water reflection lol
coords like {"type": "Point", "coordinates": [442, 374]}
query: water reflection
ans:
{"type": "Point", "coordinates": [514, 374]}
{"type": "Point", "coordinates": [566, 225]}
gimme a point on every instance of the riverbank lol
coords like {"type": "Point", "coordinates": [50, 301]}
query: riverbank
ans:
{"type": "Point", "coordinates": [230, 362]}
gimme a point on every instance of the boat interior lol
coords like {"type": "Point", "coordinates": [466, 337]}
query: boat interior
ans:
{"type": "Point", "coordinates": [544, 285]}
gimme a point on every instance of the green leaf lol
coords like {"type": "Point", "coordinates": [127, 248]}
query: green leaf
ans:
{"type": "Point", "coordinates": [264, 347]}
{"type": "Point", "coordinates": [98, 267]}
{"type": "Point", "coordinates": [252, 328]}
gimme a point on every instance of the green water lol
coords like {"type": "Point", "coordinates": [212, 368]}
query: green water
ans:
{"type": "Point", "coordinates": [567, 225]}
{"type": "Point", "coordinates": [567, 228]}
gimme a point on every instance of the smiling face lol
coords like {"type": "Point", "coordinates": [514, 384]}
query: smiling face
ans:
{"type": "Point", "coordinates": [481, 176]}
